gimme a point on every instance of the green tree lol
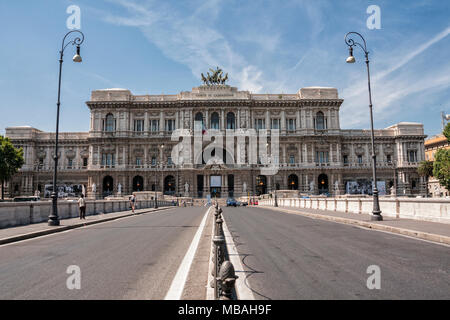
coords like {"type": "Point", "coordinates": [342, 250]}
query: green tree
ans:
{"type": "Point", "coordinates": [11, 160]}
{"type": "Point", "coordinates": [425, 169]}
{"type": "Point", "coordinates": [446, 131]}
{"type": "Point", "coordinates": [441, 167]}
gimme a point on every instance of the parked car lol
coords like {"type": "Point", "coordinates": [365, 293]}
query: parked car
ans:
{"type": "Point", "coordinates": [231, 202]}
{"type": "Point", "coordinates": [244, 203]}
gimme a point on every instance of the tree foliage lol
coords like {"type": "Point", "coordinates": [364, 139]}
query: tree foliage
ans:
{"type": "Point", "coordinates": [11, 160]}
{"type": "Point", "coordinates": [441, 167]}
{"type": "Point", "coordinates": [425, 168]}
{"type": "Point", "coordinates": [446, 131]}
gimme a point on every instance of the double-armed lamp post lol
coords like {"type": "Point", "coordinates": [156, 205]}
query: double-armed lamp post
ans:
{"type": "Point", "coordinates": [53, 219]}
{"type": "Point", "coordinates": [376, 212]}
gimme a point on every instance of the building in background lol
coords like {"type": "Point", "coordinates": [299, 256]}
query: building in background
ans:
{"type": "Point", "coordinates": [432, 145]}
{"type": "Point", "coordinates": [129, 144]}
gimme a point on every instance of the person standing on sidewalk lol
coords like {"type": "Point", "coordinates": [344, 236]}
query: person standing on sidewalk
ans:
{"type": "Point", "coordinates": [82, 205]}
{"type": "Point", "coordinates": [132, 202]}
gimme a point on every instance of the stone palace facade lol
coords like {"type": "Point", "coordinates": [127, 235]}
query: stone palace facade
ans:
{"type": "Point", "coordinates": [129, 147]}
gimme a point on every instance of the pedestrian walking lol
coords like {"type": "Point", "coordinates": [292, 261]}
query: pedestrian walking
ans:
{"type": "Point", "coordinates": [132, 202]}
{"type": "Point", "coordinates": [82, 206]}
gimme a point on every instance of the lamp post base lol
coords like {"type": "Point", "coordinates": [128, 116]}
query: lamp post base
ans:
{"type": "Point", "coordinates": [376, 217]}
{"type": "Point", "coordinates": [54, 222]}
{"type": "Point", "coordinates": [53, 219]}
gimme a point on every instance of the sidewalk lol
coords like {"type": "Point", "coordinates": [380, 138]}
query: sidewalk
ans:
{"type": "Point", "coordinates": [19, 233]}
{"type": "Point", "coordinates": [426, 230]}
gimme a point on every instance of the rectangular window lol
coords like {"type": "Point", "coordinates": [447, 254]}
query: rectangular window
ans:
{"type": "Point", "coordinates": [169, 161]}
{"type": "Point", "coordinates": [322, 156]}
{"type": "Point", "coordinates": [290, 124]}
{"type": "Point", "coordinates": [388, 158]}
{"type": "Point", "coordinates": [345, 158]}
{"type": "Point", "coordinates": [138, 125]}
{"type": "Point", "coordinates": [260, 124]}
{"type": "Point", "coordinates": [170, 125]}
{"type": "Point", "coordinates": [154, 127]}
{"type": "Point", "coordinates": [275, 124]}
{"type": "Point", "coordinates": [153, 161]}
{"type": "Point", "coordinates": [360, 159]}
{"type": "Point", "coordinates": [412, 154]}
{"type": "Point", "coordinates": [108, 159]}
{"type": "Point", "coordinates": [85, 162]}
{"type": "Point", "coordinates": [69, 162]}
{"type": "Point", "coordinates": [291, 159]}
{"type": "Point", "coordinates": [138, 161]}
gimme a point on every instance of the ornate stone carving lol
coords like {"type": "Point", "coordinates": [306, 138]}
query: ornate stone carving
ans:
{"type": "Point", "coordinates": [359, 150]}
{"type": "Point", "coordinates": [215, 78]}
{"type": "Point", "coordinates": [70, 153]}
{"type": "Point", "coordinates": [138, 152]}
{"type": "Point", "coordinates": [41, 154]}
{"type": "Point", "coordinates": [84, 153]}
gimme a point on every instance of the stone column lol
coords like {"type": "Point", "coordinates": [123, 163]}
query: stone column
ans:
{"type": "Point", "coordinates": [161, 123]}
{"type": "Point", "coordinates": [238, 123]}
{"type": "Point", "coordinates": [222, 119]}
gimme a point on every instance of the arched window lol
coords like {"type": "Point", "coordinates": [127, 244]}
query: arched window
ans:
{"type": "Point", "coordinates": [293, 182]}
{"type": "Point", "coordinates": [110, 123]}
{"type": "Point", "coordinates": [320, 121]}
{"type": "Point", "coordinates": [198, 121]}
{"type": "Point", "coordinates": [108, 185]}
{"type": "Point", "coordinates": [169, 185]}
{"type": "Point", "coordinates": [215, 121]}
{"type": "Point", "coordinates": [138, 183]}
{"type": "Point", "coordinates": [231, 123]}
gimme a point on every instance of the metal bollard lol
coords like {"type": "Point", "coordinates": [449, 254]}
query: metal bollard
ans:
{"type": "Point", "coordinates": [226, 280]}
{"type": "Point", "coordinates": [219, 242]}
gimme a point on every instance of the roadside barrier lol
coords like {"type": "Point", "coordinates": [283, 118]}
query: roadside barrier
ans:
{"type": "Point", "coordinates": [224, 277]}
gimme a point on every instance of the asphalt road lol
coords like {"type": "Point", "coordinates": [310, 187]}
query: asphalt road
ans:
{"type": "Point", "coordinates": [130, 258]}
{"type": "Point", "coordinates": [293, 257]}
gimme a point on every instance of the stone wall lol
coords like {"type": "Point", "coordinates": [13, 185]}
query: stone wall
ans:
{"type": "Point", "coordinates": [16, 214]}
{"type": "Point", "coordinates": [406, 208]}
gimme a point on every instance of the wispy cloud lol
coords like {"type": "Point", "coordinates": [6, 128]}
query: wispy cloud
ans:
{"type": "Point", "coordinates": [194, 38]}
{"type": "Point", "coordinates": [190, 39]}
{"type": "Point", "coordinates": [389, 87]}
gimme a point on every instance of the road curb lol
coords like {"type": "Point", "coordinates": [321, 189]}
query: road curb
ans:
{"type": "Point", "coordinates": [36, 234]}
{"type": "Point", "coordinates": [407, 232]}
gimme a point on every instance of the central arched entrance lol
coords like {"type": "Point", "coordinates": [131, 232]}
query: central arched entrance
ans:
{"type": "Point", "coordinates": [169, 185]}
{"type": "Point", "coordinates": [138, 183]}
{"type": "Point", "coordinates": [261, 185]}
{"type": "Point", "coordinates": [108, 186]}
{"type": "Point", "coordinates": [323, 183]}
{"type": "Point", "coordinates": [215, 183]}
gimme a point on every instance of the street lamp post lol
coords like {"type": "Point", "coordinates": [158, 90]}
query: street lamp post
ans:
{"type": "Point", "coordinates": [38, 167]}
{"type": "Point", "coordinates": [376, 212]}
{"type": "Point", "coordinates": [53, 217]}
{"type": "Point", "coordinates": [157, 164]}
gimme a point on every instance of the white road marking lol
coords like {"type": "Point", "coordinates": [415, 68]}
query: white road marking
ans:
{"type": "Point", "coordinates": [178, 282]}
{"type": "Point", "coordinates": [242, 290]}
{"type": "Point", "coordinates": [209, 289]}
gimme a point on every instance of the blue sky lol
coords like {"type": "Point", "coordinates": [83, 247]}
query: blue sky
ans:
{"type": "Point", "coordinates": [153, 47]}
